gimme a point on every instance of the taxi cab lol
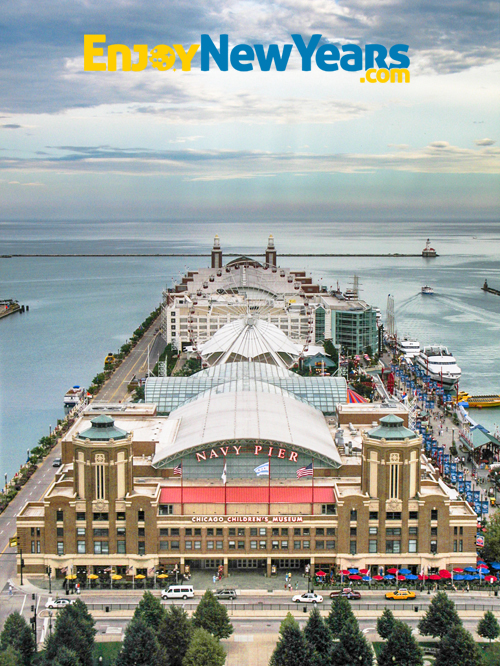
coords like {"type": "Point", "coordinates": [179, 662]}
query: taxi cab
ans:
{"type": "Point", "coordinates": [401, 594]}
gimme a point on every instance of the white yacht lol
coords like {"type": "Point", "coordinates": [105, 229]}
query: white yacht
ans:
{"type": "Point", "coordinates": [427, 291]}
{"type": "Point", "coordinates": [409, 348]}
{"type": "Point", "coordinates": [73, 397]}
{"type": "Point", "coordinates": [440, 365]}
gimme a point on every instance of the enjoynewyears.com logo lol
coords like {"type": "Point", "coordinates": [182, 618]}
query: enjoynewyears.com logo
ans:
{"type": "Point", "coordinates": [380, 65]}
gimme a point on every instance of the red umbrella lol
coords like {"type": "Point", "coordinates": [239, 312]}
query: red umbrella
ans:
{"type": "Point", "coordinates": [435, 577]}
{"type": "Point", "coordinates": [392, 571]}
{"type": "Point", "coordinates": [490, 579]}
{"type": "Point", "coordinates": [401, 577]}
{"type": "Point", "coordinates": [458, 570]}
{"type": "Point", "coordinates": [344, 572]}
{"type": "Point", "coordinates": [444, 573]}
{"type": "Point", "coordinates": [422, 577]}
{"type": "Point", "coordinates": [377, 578]}
{"type": "Point", "coordinates": [482, 566]}
{"type": "Point", "coordinates": [364, 571]}
{"type": "Point", "coordinates": [354, 577]}
{"type": "Point", "coordinates": [320, 573]}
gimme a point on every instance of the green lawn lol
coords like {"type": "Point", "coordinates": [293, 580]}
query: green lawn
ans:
{"type": "Point", "coordinates": [108, 652]}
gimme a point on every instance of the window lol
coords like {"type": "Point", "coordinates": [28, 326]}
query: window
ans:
{"type": "Point", "coordinates": [197, 531]}
{"type": "Point", "coordinates": [413, 531]}
{"type": "Point", "coordinates": [297, 545]}
{"type": "Point", "coordinates": [59, 515]}
{"type": "Point", "coordinates": [218, 531]}
{"type": "Point", "coordinates": [163, 545]}
{"type": "Point", "coordinates": [262, 531]}
{"type": "Point", "coordinates": [175, 531]}
{"type": "Point", "coordinates": [253, 531]}
{"type": "Point", "coordinates": [141, 531]}
{"type": "Point", "coordinates": [434, 546]}
{"type": "Point", "coordinates": [393, 531]}
{"type": "Point", "coordinates": [460, 546]}
{"type": "Point", "coordinates": [253, 545]}
{"type": "Point", "coordinates": [232, 545]}
{"type": "Point", "coordinates": [455, 545]}
{"type": "Point", "coordinates": [434, 531]}
{"type": "Point", "coordinates": [120, 546]}
{"type": "Point", "coordinates": [306, 544]}
{"type": "Point", "coordinates": [393, 546]}
{"type": "Point", "coordinates": [164, 510]}
{"type": "Point", "coordinates": [262, 545]}
{"type": "Point", "coordinates": [101, 548]}
{"type": "Point", "coordinates": [140, 515]}
{"type": "Point", "coordinates": [330, 545]}
{"type": "Point", "coordinates": [120, 531]}
{"type": "Point", "coordinates": [275, 545]}
{"type": "Point", "coordinates": [394, 475]}
{"type": "Point", "coordinates": [373, 531]}
{"type": "Point", "coordinates": [373, 515]}
{"type": "Point", "coordinates": [174, 545]}
{"type": "Point", "coordinates": [141, 547]}
{"type": "Point", "coordinates": [412, 546]}
{"type": "Point", "coordinates": [275, 531]}
{"type": "Point", "coordinates": [372, 546]}
{"type": "Point", "coordinates": [188, 531]}
{"type": "Point", "coordinates": [38, 550]}
{"type": "Point", "coordinates": [210, 545]}
{"type": "Point", "coordinates": [188, 545]}
{"type": "Point", "coordinates": [120, 515]}
{"type": "Point", "coordinates": [413, 515]}
{"type": "Point", "coordinates": [306, 531]}
{"type": "Point", "coordinates": [284, 545]}
{"type": "Point", "coordinates": [219, 545]}
{"type": "Point", "coordinates": [434, 514]}
{"type": "Point", "coordinates": [354, 514]}
{"type": "Point", "coordinates": [284, 531]}
{"type": "Point", "coordinates": [60, 532]}
{"type": "Point", "coordinates": [33, 546]}
{"type": "Point", "coordinates": [80, 547]}
{"type": "Point", "coordinates": [330, 531]}
{"type": "Point", "coordinates": [163, 531]}
{"type": "Point", "coordinates": [100, 517]}
{"type": "Point", "coordinates": [232, 531]}
{"type": "Point", "coordinates": [101, 532]}
{"type": "Point", "coordinates": [296, 531]}
{"type": "Point", "coordinates": [461, 531]}
{"type": "Point", "coordinates": [80, 531]}
{"type": "Point", "coordinates": [320, 531]}
{"type": "Point", "coordinates": [241, 545]}
{"type": "Point", "coordinates": [80, 515]}
{"type": "Point", "coordinates": [393, 515]}
{"type": "Point", "coordinates": [210, 531]}
{"type": "Point", "coordinates": [352, 548]}
{"type": "Point", "coordinates": [455, 531]}
{"type": "Point", "coordinates": [100, 488]}
{"type": "Point", "coordinates": [320, 545]}
{"type": "Point", "coordinates": [328, 509]}
{"type": "Point", "coordinates": [353, 531]}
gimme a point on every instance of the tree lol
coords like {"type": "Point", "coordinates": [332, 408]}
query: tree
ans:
{"type": "Point", "coordinates": [174, 634]}
{"type": "Point", "coordinates": [291, 649]}
{"type": "Point", "coordinates": [75, 627]}
{"type": "Point", "coordinates": [11, 657]}
{"type": "Point", "coordinates": [318, 639]}
{"type": "Point", "coordinates": [490, 658]}
{"type": "Point", "coordinates": [401, 648]}
{"type": "Point", "coordinates": [488, 626]}
{"type": "Point", "coordinates": [340, 614]}
{"type": "Point", "coordinates": [287, 620]}
{"type": "Point", "coordinates": [140, 647]}
{"type": "Point", "coordinates": [150, 610]}
{"type": "Point", "coordinates": [352, 648]}
{"type": "Point", "coordinates": [457, 648]}
{"type": "Point", "coordinates": [212, 616]}
{"type": "Point", "coordinates": [440, 617]}
{"type": "Point", "coordinates": [204, 650]}
{"type": "Point", "coordinates": [17, 634]}
{"type": "Point", "coordinates": [491, 550]}
{"type": "Point", "coordinates": [66, 657]}
{"type": "Point", "coordinates": [385, 623]}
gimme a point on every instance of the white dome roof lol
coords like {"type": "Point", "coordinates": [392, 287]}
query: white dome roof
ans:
{"type": "Point", "coordinates": [250, 339]}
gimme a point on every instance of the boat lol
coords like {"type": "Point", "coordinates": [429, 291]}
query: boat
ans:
{"type": "Point", "coordinates": [429, 251]}
{"type": "Point", "coordinates": [427, 291]}
{"type": "Point", "coordinates": [74, 396]}
{"type": "Point", "coordinates": [479, 401]}
{"type": "Point", "coordinates": [440, 365]}
{"type": "Point", "coordinates": [409, 348]}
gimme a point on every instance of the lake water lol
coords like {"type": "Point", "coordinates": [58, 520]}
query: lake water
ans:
{"type": "Point", "coordinates": [82, 308]}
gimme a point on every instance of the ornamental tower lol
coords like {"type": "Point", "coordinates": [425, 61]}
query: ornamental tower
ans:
{"type": "Point", "coordinates": [216, 253]}
{"type": "Point", "coordinates": [271, 252]}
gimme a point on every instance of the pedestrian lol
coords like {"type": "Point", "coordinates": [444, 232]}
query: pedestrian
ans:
{"type": "Point", "coordinates": [289, 587]}
{"type": "Point", "coordinates": [11, 590]}
{"type": "Point", "coordinates": [214, 578]}
{"type": "Point", "coordinates": [297, 585]}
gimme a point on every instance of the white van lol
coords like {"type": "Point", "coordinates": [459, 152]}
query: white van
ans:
{"type": "Point", "coordinates": [178, 592]}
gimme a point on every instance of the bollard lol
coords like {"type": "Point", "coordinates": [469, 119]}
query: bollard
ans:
{"type": "Point", "coordinates": [107, 609]}
{"type": "Point", "coordinates": [304, 609]}
{"type": "Point", "coordinates": [416, 609]}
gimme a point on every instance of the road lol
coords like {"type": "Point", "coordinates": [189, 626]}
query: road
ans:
{"type": "Point", "coordinates": [134, 365]}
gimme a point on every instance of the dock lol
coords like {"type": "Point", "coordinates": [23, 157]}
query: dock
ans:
{"type": "Point", "coordinates": [490, 290]}
{"type": "Point", "coordinates": [9, 306]}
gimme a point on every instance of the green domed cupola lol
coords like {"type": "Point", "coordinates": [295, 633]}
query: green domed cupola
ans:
{"type": "Point", "coordinates": [391, 428]}
{"type": "Point", "coordinates": [102, 430]}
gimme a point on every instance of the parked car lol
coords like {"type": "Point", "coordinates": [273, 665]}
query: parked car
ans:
{"type": "Point", "coordinates": [226, 593]}
{"type": "Point", "coordinates": [401, 594]}
{"type": "Point", "coordinates": [178, 592]}
{"type": "Point", "coordinates": [347, 592]}
{"type": "Point", "coordinates": [308, 598]}
{"type": "Point", "coordinates": [57, 462]}
{"type": "Point", "coordinates": [59, 603]}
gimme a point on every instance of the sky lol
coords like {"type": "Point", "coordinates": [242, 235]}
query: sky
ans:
{"type": "Point", "coordinates": [249, 145]}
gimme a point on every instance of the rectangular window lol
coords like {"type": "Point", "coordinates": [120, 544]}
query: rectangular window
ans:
{"type": "Point", "coordinates": [210, 531]}
{"type": "Point", "coordinates": [330, 545]}
{"type": "Point", "coordinates": [120, 547]}
{"type": "Point", "coordinates": [328, 509]}
{"type": "Point", "coordinates": [393, 546]}
{"type": "Point", "coordinates": [373, 515]}
{"type": "Point", "coordinates": [163, 531]}
{"type": "Point", "coordinates": [60, 547]}
{"type": "Point", "coordinates": [320, 545]}
{"type": "Point", "coordinates": [218, 531]}
{"type": "Point", "coordinates": [120, 515]}
{"type": "Point", "coordinates": [413, 531]}
{"type": "Point", "coordinates": [372, 546]}
{"type": "Point", "coordinates": [59, 515]}
{"type": "Point", "coordinates": [262, 531]}
{"type": "Point", "coordinates": [197, 545]}
{"type": "Point", "coordinates": [232, 531]}
{"type": "Point", "coordinates": [80, 547]}
{"type": "Point", "coordinates": [320, 531]}
{"type": "Point", "coordinates": [393, 531]}
{"type": "Point", "coordinates": [297, 545]}
{"type": "Point", "coordinates": [354, 514]}
{"type": "Point", "coordinates": [241, 545]}
{"type": "Point", "coordinates": [306, 544]}
{"type": "Point", "coordinates": [188, 532]}
{"type": "Point", "coordinates": [275, 531]}
{"type": "Point", "coordinates": [434, 514]}
{"type": "Point", "coordinates": [100, 517]}
{"type": "Point", "coordinates": [393, 515]}
{"type": "Point", "coordinates": [210, 545]}
{"type": "Point", "coordinates": [306, 532]}
{"type": "Point", "coordinates": [434, 531]}
{"type": "Point", "coordinates": [32, 546]}
{"type": "Point", "coordinates": [461, 531]}
{"type": "Point", "coordinates": [284, 545]}
{"type": "Point", "coordinates": [232, 545]}
{"type": "Point", "coordinates": [330, 531]}
{"type": "Point", "coordinates": [241, 531]}
{"type": "Point", "coordinates": [140, 515]}
{"type": "Point", "coordinates": [263, 545]}
{"type": "Point", "coordinates": [175, 531]}
{"type": "Point", "coordinates": [163, 545]}
{"type": "Point", "coordinates": [188, 545]}
{"type": "Point", "coordinates": [141, 547]}
{"type": "Point", "coordinates": [413, 515]}
{"type": "Point", "coordinates": [460, 546]}
{"type": "Point", "coordinates": [219, 545]}
{"type": "Point", "coordinates": [120, 531]}
{"type": "Point", "coordinates": [80, 515]}
{"type": "Point", "coordinates": [80, 531]}
{"type": "Point", "coordinates": [101, 532]}
{"type": "Point", "coordinates": [60, 532]}
{"type": "Point", "coordinates": [455, 545]}
{"type": "Point", "coordinates": [253, 531]}
{"type": "Point", "coordinates": [38, 548]}
{"type": "Point", "coordinates": [253, 545]}
{"type": "Point", "coordinates": [412, 546]}
{"type": "Point", "coordinates": [284, 531]}
{"type": "Point", "coordinates": [373, 530]}
{"type": "Point", "coordinates": [353, 531]}
{"type": "Point", "coordinates": [164, 510]}
{"type": "Point", "coordinates": [434, 546]}
{"type": "Point", "coordinates": [141, 532]}
{"type": "Point", "coordinates": [275, 545]}
{"type": "Point", "coordinates": [353, 548]}
{"type": "Point", "coordinates": [174, 545]}
{"type": "Point", "coordinates": [455, 531]}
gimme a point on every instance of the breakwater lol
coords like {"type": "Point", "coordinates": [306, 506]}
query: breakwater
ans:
{"type": "Point", "coordinates": [205, 254]}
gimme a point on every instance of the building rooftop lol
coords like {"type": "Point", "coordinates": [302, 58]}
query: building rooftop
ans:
{"type": "Point", "coordinates": [391, 428]}
{"type": "Point", "coordinates": [103, 429]}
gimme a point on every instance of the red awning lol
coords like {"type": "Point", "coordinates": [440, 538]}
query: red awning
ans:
{"type": "Point", "coordinates": [246, 495]}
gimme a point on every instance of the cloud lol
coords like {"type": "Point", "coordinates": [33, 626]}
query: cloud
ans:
{"type": "Point", "coordinates": [484, 142]}
{"type": "Point", "coordinates": [211, 165]}
{"type": "Point", "coordinates": [185, 139]}
{"type": "Point", "coordinates": [16, 182]}
{"type": "Point", "coordinates": [11, 126]}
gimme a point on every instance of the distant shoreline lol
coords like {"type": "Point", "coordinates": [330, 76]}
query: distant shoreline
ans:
{"type": "Point", "coordinates": [189, 254]}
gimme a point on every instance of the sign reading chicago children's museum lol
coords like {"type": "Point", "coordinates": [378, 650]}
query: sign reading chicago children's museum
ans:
{"type": "Point", "coordinates": [247, 519]}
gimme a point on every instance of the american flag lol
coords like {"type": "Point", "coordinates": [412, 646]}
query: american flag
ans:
{"type": "Point", "coordinates": [178, 469]}
{"type": "Point", "coordinates": [305, 471]}
{"type": "Point", "coordinates": [151, 571]}
{"type": "Point", "coordinates": [108, 569]}
{"type": "Point", "coordinates": [64, 570]}
{"type": "Point", "coordinates": [130, 570]}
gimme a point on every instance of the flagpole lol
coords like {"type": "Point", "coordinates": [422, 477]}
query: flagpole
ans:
{"type": "Point", "coordinates": [312, 498]}
{"type": "Point", "coordinates": [225, 486]}
{"type": "Point", "coordinates": [182, 487]}
{"type": "Point", "coordinates": [269, 489]}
